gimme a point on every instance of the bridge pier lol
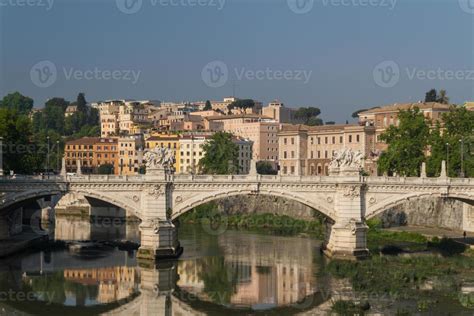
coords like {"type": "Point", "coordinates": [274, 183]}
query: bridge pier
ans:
{"type": "Point", "coordinates": [347, 237]}
{"type": "Point", "coordinates": [159, 236]}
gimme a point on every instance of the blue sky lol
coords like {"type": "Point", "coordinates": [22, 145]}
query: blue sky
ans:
{"type": "Point", "coordinates": [333, 56]}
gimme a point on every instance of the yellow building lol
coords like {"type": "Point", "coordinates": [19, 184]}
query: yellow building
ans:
{"type": "Point", "coordinates": [170, 141]}
{"type": "Point", "coordinates": [469, 106]}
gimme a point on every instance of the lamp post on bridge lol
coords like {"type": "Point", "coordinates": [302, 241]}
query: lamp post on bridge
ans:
{"type": "Point", "coordinates": [47, 159]}
{"type": "Point", "coordinates": [447, 159]}
{"type": "Point", "coordinates": [462, 156]}
{"type": "Point", "coordinates": [57, 156]}
{"type": "Point", "coordinates": [1, 156]}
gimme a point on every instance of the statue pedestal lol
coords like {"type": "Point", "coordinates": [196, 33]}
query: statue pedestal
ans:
{"type": "Point", "coordinates": [345, 171]}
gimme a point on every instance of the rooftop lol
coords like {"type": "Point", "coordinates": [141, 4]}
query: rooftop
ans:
{"type": "Point", "coordinates": [406, 106]}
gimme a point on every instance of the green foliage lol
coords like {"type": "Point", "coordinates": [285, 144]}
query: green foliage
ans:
{"type": "Point", "coordinates": [271, 223]}
{"type": "Point", "coordinates": [349, 308]}
{"type": "Point", "coordinates": [19, 151]}
{"type": "Point", "coordinates": [220, 155]}
{"type": "Point", "coordinates": [219, 279]}
{"type": "Point", "coordinates": [458, 133]}
{"type": "Point", "coordinates": [264, 167]}
{"type": "Point", "coordinates": [407, 144]}
{"type": "Point", "coordinates": [432, 96]}
{"type": "Point", "coordinates": [242, 104]}
{"type": "Point", "coordinates": [208, 106]}
{"type": "Point", "coordinates": [17, 102]}
{"type": "Point", "coordinates": [309, 115]}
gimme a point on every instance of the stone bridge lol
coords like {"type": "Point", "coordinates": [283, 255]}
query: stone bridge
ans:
{"type": "Point", "coordinates": [346, 199]}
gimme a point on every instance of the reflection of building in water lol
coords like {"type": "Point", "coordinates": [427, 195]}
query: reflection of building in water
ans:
{"type": "Point", "coordinates": [114, 283]}
{"type": "Point", "coordinates": [261, 275]}
{"type": "Point", "coordinates": [189, 275]}
{"type": "Point", "coordinates": [266, 276]}
{"type": "Point", "coordinates": [72, 228]}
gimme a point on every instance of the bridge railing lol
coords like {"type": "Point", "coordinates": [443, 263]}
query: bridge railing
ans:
{"type": "Point", "coordinates": [419, 180]}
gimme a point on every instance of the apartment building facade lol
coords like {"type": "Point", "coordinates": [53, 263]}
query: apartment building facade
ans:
{"type": "Point", "coordinates": [308, 150]}
{"type": "Point", "coordinates": [92, 152]}
{"type": "Point", "coordinates": [261, 131]}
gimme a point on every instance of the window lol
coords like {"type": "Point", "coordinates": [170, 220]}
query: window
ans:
{"type": "Point", "coordinates": [325, 154]}
{"type": "Point", "coordinates": [341, 139]}
{"type": "Point", "coordinates": [357, 138]}
{"type": "Point", "coordinates": [284, 154]}
{"type": "Point", "coordinates": [292, 154]}
{"type": "Point", "coordinates": [284, 141]}
{"type": "Point", "coordinates": [292, 141]}
{"type": "Point", "coordinates": [334, 139]}
{"type": "Point", "coordinates": [350, 138]}
{"type": "Point", "coordinates": [325, 140]}
{"type": "Point", "coordinates": [319, 140]}
{"type": "Point", "coordinates": [292, 170]}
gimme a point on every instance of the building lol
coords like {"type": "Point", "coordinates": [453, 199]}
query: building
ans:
{"type": "Point", "coordinates": [469, 106]}
{"type": "Point", "coordinates": [122, 117]}
{"type": "Point", "coordinates": [92, 152]}
{"type": "Point", "coordinates": [308, 150]}
{"type": "Point", "coordinates": [70, 110]}
{"type": "Point", "coordinates": [82, 150]}
{"type": "Point", "coordinates": [191, 151]}
{"type": "Point", "coordinates": [260, 130]}
{"type": "Point", "coordinates": [130, 155]}
{"type": "Point", "coordinates": [105, 152]}
{"type": "Point", "coordinates": [385, 116]}
{"type": "Point", "coordinates": [165, 140]}
{"type": "Point", "coordinates": [281, 114]}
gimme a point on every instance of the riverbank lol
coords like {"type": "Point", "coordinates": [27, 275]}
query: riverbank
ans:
{"type": "Point", "coordinates": [209, 215]}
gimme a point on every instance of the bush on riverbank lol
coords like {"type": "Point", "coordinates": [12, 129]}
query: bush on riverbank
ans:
{"type": "Point", "coordinates": [275, 224]}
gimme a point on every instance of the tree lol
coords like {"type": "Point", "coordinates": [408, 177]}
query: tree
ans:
{"type": "Point", "coordinates": [220, 155]}
{"type": "Point", "coordinates": [458, 133]}
{"type": "Point", "coordinates": [81, 102]}
{"type": "Point", "coordinates": [356, 113]}
{"type": "Point", "coordinates": [57, 102]}
{"type": "Point", "coordinates": [314, 121]}
{"type": "Point", "coordinates": [443, 97]}
{"type": "Point", "coordinates": [330, 123]}
{"type": "Point", "coordinates": [264, 167]}
{"type": "Point", "coordinates": [407, 144]}
{"type": "Point", "coordinates": [208, 106]}
{"type": "Point", "coordinates": [17, 101]}
{"type": "Point", "coordinates": [242, 104]}
{"type": "Point", "coordinates": [308, 115]}
{"type": "Point", "coordinates": [431, 96]}
{"type": "Point", "coordinates": [19, 152]}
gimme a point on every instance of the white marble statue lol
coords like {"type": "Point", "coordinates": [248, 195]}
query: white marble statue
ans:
{"type": "Point", "coordinates": [159, 158]}
{"type": "Point", "coordinates": [347, 158]}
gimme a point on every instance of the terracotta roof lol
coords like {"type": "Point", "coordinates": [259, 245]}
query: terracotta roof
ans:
{"type": "Point", "coordinates": [406, 106]}
{"type": "Point", "coordinates": [234, 116]}
{"type": "Point", "coordinates": [84, 141]}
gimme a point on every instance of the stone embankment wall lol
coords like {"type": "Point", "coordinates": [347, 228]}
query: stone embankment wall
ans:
{"type": "Point", "coordinates": [265, 204]}
{"type": "Point", "coordinates": [429, 212]}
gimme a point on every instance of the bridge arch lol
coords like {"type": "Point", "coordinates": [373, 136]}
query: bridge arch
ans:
{"type": "Point", "coordinates": [322, 206]}
{"type": "Point", "coordinates": [386, 204]}
{"type": "Point", "coordinates": [111, 199]}
{"type": "Point", "coordinates": [13, 199]}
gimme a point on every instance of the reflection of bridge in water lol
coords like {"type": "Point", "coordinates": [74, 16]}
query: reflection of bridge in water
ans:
{"type": "Point", "coordinates": [260, 277]}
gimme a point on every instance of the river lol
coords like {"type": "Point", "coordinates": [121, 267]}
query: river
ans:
{"type": "Point", "coordinates": [230, 273]}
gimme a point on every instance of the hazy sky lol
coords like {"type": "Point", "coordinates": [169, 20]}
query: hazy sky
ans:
{"type": "Point", "coordinates": [339, 55]}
